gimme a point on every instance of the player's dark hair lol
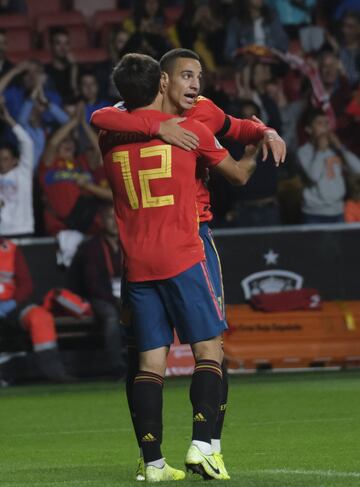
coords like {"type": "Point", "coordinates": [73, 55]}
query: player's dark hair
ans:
{"type": "Point", "coordinates": [11, 148]}
{"type": "Point", "coordinates": [137, 78]}
{"type": "Point", "coordinates": [168, 60]}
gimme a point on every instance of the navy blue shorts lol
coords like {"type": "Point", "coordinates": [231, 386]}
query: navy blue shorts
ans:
{"type": "Point", "coordinates": [186, 302]}
{"type": "Point", "coordinates": [213, 263]}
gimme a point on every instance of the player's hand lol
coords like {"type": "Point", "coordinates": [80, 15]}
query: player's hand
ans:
{"type": "Point", "coordinates": [172, 133]}
{"type": "Point", "coordinates": [273, 142]}
{"type": "Point", "coordinates": [251, 151]}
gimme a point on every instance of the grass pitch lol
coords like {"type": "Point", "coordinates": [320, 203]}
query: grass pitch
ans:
{"type": "Point", "coordinates": [281, 430]}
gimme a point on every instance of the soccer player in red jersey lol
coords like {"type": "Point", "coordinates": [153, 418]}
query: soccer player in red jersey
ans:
{"type": "Point", "coordinates": [154, 190]}
{"type": "Point", "coordinates": [181, 84]}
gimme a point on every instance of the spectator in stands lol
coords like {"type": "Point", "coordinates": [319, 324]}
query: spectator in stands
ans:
{"type": "Point", "coordinates": [17, 312]}
{"type": "Point", "coordinates": [352, 204]}
{"type": "Point", "coordinates": [99, 263]}
{"type": "Point", "coordinates": [36, 113]}
{"type": "Point", "coordinates": [16, 170]}
{"type": "Point", "coordinates": [338, 89]}
{"type": "Point", "coordinates": [290, 112]}
{"type": "Point", "coordinates": [63, 173]}
{"type": "Point", "coordinates": [348, 48]}
{"type": "Point", "coordinates": [323, 161]}
{"type": "Point", "coordinates": [17, 88]}
{"type": "Point", "coordinates": [335, 82]}
{"type": "Point", "coordinates": [254, 23]}
{"type": "Point", "coordinates": [147, 28]}
{"type": "Point", "coordinates": [89, 93]}
{"type": "Point", "coordinates": [63, 70]}
{"type": "Point", "coordinates": [117, 47]}
{"type": "Point", "coordinates": [345, 6]}
{"type": "Point", "coordinates": [251, 82]}
{"type": "Point", "coordinates": [201, 28]}
{"type": "Point", "coordinates": [5, 64]}
{"type": "Point", "coordinates": [294, 13]}
{"type": "Point", "coordinates": [255, 204]}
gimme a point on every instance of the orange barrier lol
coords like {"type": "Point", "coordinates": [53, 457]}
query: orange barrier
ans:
{"type": "Point", "coordinates": [326, 337]}
{"type": "Point", "coordinates": [180, 359]}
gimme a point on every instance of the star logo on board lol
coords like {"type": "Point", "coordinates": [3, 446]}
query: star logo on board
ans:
{"type": "Point", "coordinates": [271, 257]}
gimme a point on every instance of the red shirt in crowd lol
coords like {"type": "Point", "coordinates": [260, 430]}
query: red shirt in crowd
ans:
{"type": "Point", "coordinates": [61, 192]}
{"type": "Point", "coordinates": [154, 189]}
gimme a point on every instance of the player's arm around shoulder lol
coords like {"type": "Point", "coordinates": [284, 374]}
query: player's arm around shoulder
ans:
{"type": "Point", "coordinates": [211, 152]}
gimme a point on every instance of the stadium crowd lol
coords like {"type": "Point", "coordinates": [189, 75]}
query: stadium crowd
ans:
{"type": "Point", "coordinates": [295, 64]}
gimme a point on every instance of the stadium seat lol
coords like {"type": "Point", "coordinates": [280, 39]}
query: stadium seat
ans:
{"type": "Point", "coordinates": [37, 8]}
{"type": "Point", "coordinates": [20, 56]}
{"type": "Point", "coordinates": [90, 55]}
{"type": "Point", "coordinates": [103, 20]}
{"type": "Point", "coordinates": [74, 22]}
{"type": "Point", "coordinates": [18, 39]}
{"type": "Point", "coordinates": [34, 54]}
{"type": "Point", "coordinates": [13, 21]}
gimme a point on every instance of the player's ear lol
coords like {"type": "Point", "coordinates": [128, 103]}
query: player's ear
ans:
{"type": "Point", "coordinates": [164, 80]}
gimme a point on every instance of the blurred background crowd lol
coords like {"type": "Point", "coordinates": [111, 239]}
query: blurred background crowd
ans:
{"type": "Point", "coordinates": [293, 63]}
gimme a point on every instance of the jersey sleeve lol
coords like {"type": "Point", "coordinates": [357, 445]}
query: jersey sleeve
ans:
{"type": "Point", "coordinates": [210, 151]}
{"type": "Point", "coordinates": [208, 113]}
{"type": "Point", "coordinates": [113, 119]}
{"type": "Point", "coordinates": [245, 131]}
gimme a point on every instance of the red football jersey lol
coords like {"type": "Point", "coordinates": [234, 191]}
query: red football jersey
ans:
{"type": "Point", "coordinates": [154, 191]}
{"type": "Point", "coordinates": [205, 111]}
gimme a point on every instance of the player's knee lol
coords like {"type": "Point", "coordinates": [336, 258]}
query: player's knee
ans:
{"type": "Point", "coordinates": [208, 350]}
{"type": "Point", "coordinates": [154, 361]}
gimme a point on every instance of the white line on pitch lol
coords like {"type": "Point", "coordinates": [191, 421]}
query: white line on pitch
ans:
{"type": "Point", "coordinates": [71, 432]}
{"type": "Point", "coordinates": [320, 473]}
{"type": "Point", "coordinates": [319, 420]}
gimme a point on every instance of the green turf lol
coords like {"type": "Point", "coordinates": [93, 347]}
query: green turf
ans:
{"type": "Point", "coordinates": [281, 430]}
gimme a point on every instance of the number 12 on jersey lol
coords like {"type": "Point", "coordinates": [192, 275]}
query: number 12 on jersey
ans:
{"type": "Point", "coordinates": [145, 176]}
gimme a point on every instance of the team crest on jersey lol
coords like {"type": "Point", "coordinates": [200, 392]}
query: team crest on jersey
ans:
{"type": "Point", "coordinates": [199, 98]}
{"type": "Point", "coordinates": [271, 280]}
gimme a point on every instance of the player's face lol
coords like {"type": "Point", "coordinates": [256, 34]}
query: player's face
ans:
{"type": "Point", "coordinates": [184, 84]}
{"type": "Point", "coordinates": [7, 161]}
